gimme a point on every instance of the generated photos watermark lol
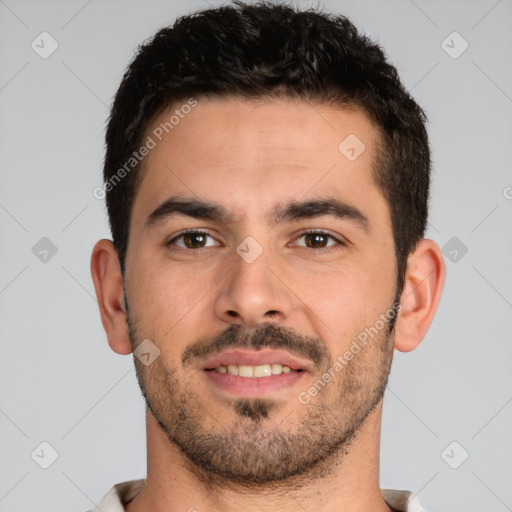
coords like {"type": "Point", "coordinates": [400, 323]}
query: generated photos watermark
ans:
{"type": "Point", "coordinates": [150, 143]}
{"type": "Point", "coordinates": [358, 343]}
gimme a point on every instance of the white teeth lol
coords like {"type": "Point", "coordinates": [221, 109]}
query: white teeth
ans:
{"type": "Point", "coordinates": [264, 370]}
{"type": "Point", "coordinates": [233, 370]}
{"type": "Point", "coordinates": [276, 369]}
{"type": "Point", "coordinates": [245, 371]}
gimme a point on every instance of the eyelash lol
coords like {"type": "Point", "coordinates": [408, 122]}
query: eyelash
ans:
{"type": "Point", "coordinates": [320, 250]}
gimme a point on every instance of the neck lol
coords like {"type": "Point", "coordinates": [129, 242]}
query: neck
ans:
{"type": "Point", "coordinates": [350, 481]}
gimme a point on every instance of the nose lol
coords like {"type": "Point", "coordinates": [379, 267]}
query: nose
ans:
{"type": "Point", "coordinates": [253, 293]}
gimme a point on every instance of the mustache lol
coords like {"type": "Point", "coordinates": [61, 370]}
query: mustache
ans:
{"type": "Point", "coordinates": [269, 335]}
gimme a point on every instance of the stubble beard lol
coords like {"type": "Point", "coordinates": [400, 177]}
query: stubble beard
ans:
{"type": "Point", "coordinates": [256, 449]}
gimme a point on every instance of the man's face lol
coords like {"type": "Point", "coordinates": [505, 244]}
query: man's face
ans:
{"type": "Point", "coordinates": [260, 279]}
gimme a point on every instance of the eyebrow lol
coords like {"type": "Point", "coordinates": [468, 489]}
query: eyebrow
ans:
{"type": "Point", "coordinates": [287, 212]}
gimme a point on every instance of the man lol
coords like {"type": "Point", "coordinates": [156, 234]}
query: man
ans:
{"type": "Point", "coordinates": [267, 181]}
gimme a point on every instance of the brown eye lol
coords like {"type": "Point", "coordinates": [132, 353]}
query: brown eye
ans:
{"type": "Point", "coordinates": [318, 240]}
{"type": "Point", "coordinates": [192, 240]}
{"type": "Point", "coordinates": [315, 240]}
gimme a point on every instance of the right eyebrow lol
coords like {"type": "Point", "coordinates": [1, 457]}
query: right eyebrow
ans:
{"type": "Point", "coordinates": [190, 207]}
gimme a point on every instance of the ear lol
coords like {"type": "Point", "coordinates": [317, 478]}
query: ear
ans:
{"type": "Point", "coordinates": [421, 294]}
{"type": "Point", "coordinates": [108, 283]}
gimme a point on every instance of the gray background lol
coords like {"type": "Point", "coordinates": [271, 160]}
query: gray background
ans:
{"type": "Point", "coordinates": [59, 381]}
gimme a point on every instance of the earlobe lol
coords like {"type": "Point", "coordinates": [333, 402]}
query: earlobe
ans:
{"type": "Point", "coordinates": [421, 294]}
{"type": "Point", "coordinates": [108, 283]}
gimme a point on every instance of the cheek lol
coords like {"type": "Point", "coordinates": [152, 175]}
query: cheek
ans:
{"type": "Point", "coordinates": [335, 296]}
{"type": "Point", "coordinates": [168, 296]}
{"type": "Point", "coordinates": [343, 302]}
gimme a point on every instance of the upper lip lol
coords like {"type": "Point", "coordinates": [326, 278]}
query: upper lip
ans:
{"type": "Point", "coordinates": [256, 358]}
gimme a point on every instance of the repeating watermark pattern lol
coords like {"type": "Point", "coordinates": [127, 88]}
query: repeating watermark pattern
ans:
{"type": "Point", "coordinates": [44, 45]}
{"type": "Point", "coordinates": [44, 250]}
{"type": "Point", "coordinates": [351, 147]}
{"type": "Point", "coordinates": [44, 455]}
{"type": "Point", "coordinates": [249, 250]}
{"type": "Point", "coordinates": [454, 249]}
{"type": "Point", "coordinates": [146, 352]}
{"type": "Point", "coordinates": [150, 143]}
{"type": "Point", "coordinates": [454, 455]}
{"type": "Point", "coordinates": [454, 45]}
{"type": "Point", "coordinates": [358, 343]}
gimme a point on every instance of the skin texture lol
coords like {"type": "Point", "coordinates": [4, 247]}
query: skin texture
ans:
{"type": "Point", "coordinates": [218, 451]}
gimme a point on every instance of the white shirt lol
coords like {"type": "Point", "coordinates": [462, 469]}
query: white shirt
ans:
{"type": "Point", "coordinates": [123, 493]}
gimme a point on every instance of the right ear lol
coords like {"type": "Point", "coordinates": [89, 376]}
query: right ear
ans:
{"type": "Point", "coordinates": [108, 283]}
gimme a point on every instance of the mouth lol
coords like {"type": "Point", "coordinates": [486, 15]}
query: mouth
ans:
{"type": "Point", "coordinates": [261, 360]}
{"type": "Point", "coordinates": [251, 373]}
{"type": "Point", "coordinates": [264, 370]}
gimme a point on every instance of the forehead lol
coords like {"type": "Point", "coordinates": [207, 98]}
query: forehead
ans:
{"type": "Point", "coordinates": [279, 126]}
{"type": "Point", "coordinates": [250, 155]}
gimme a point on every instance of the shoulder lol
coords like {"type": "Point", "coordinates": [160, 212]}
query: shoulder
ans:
{"type": "Point", "coordinates": [402, 501]}
{"type": "Point", "coordinates": [119, 495]}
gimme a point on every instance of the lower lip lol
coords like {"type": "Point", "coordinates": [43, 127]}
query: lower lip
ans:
{"type": "Point", "coordinates": [254, 386]}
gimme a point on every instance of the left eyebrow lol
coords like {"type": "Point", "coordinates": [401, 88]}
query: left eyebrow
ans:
{"type": "Point", "coordinates": [293, 211]}
{"type": "Point", "coordinates": [287, 212]}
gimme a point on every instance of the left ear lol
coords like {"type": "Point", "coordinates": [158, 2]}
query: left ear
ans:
{"type": "Point", "coordinates": [421, 294]}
